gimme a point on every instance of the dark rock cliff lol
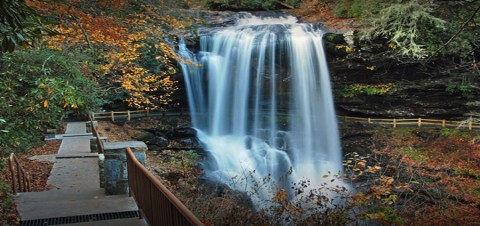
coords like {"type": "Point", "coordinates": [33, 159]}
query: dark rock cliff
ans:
{"type": "Point", "coordinates": [435, 90]}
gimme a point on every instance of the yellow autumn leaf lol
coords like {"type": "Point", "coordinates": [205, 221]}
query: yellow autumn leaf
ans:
{"type": "Point", "coordinates": [45, 103]}
{"type": "Point", "coordinates": [362, 164]}
{"type": "Point", "coordinates": [392, 46]}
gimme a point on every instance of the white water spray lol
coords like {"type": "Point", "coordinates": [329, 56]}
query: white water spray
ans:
{"type": "Point", "coordinates": [260, 96]}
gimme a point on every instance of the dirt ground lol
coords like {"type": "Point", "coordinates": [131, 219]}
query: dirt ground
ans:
{"type": "Point", "coordinates": [38, 172]}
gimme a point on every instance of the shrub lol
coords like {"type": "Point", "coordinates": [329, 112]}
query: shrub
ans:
{"type": "Point", "coordinates": [459, 88]}
{"type": "Point", "coordinates": [365, 89]}
{"type": "Point", "coordinates": [357, 8]}
{"type": "Point", "coordinates": [407, 26]}
{"type": "Point", "coordinates": [342, 8]}
{"type": "Point", "coordinates": [37, 87]}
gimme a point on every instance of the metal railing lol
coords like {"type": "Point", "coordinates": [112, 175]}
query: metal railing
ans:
{"type": "Point", "coordinates": [95, 134]}
{"type": "Point", "coordinates": [18, 176]}
{"type": "Point", "coordinates": [155, 201]}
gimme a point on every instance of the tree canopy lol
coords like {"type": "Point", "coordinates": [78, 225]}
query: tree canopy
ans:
{"type": "Point", "coordinates": [20, 25]}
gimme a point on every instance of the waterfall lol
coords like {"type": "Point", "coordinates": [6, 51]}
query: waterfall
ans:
{"type": "Point", "coordinates": [260, 97]}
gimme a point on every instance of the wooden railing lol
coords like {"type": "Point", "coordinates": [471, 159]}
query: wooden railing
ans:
{"type": "Point", "coordinates": [96, 135]}
{"type": "Point", "coordinates": [469, 124]}
{"type": "Point", "coordinates": [19, 176]}
{"type": "Point", "coordinates": [155, 201]}
{"type": "Point", "coordinates": [128, 115]}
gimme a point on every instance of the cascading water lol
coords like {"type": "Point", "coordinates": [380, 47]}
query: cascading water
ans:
{"type": "Point", "coordinates": [260, 97]}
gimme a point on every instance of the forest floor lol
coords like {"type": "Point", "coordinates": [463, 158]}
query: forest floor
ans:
{"type": "Point", "coordinates": [431, 174]}
{"type": "Point", "coordinates": [39, 172]}
{"type": "Point", "coordinates": [412, 176]}
{"type": "Point", "coordinates": [321, 12]}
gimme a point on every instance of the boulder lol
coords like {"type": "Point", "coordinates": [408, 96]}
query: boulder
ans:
{"type": "Point", "coordinates": [182, 133]}
{"type": "Point", "coordinates": [157, 143]}
{"type": "Point", "coordinates": [140, 135]}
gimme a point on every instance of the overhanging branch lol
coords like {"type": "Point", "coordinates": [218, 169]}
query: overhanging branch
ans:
{"type": "Point", "coordinates": [455, 35]}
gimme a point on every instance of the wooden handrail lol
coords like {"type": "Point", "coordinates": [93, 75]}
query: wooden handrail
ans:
{"type": "Point", "coordinates": [100, 147]}
{"type": "Point", "coordinates": [154, 200]}
{"type": "Point", "coordinates": [129, 114]}
{"type": "Point", "coordinates": [418, 122]}
{"type": "Point", "coordinates": [21, 177]}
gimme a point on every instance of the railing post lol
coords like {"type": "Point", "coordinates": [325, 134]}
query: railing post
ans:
{"type": "Point", "coordinates": [470, 125]}
{"type": "Point", "coordinates": [19, 176]}
{"type": "Point", "coordinates": [394, 123]}
{"type": "Point", "coordinates": [419, 122]}
{"type": "Point", "coordinates": [24, 181]}
{"type": "Point", "coordinates": [128, 115]}
{"type": "Point", "coordinates": [28, 183]}
{"type": "Point", "coordinates": [113, 117]}
{"type": "Point", "coordinates": [12, 171]}
{"type": "Point", "coordinates": [444, 122]}
{"type": "Point", "coordinates": [369, 121]}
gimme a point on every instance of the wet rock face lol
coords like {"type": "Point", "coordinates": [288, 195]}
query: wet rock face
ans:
{"type": "Point", "coordinates": [418, 90]}
{"type": "Point", "coordinates": [216, 20]}
{"type": "Point", "coordinates": [181, 133]}
{"type": "Point", "coordinates": [411, 100]}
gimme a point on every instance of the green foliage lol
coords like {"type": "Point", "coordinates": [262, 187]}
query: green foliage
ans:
{"type": "Point", "coordinates": [446, 132]}
{"type": "Point", "coordinates": [5, 197]}
{"type": "Point", "coordinates": [385, 214]}
{"type": "Point", "coordinates": [19, 25]}
{"type": "Point", "coordinates": [187, 160]}
{"type": "Point", "coordinates": [37, 87]}
{"type": "Point", "coordinates": [357, 8]}
{"type": "Point", "coordinates": [365, 89]}
{"type": "Point", "coordinates": [415, 154]}
{"type": "Point", "coordinates": [410, 28]}
{"type": "Point", "coordinates": [459, 88]}
{"type": "Point", "coordinates": [467, 40]}
{"type": "Point", "coordinates": [417, 29]}
{"type": "Point", "coordinates": [470, 173]}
